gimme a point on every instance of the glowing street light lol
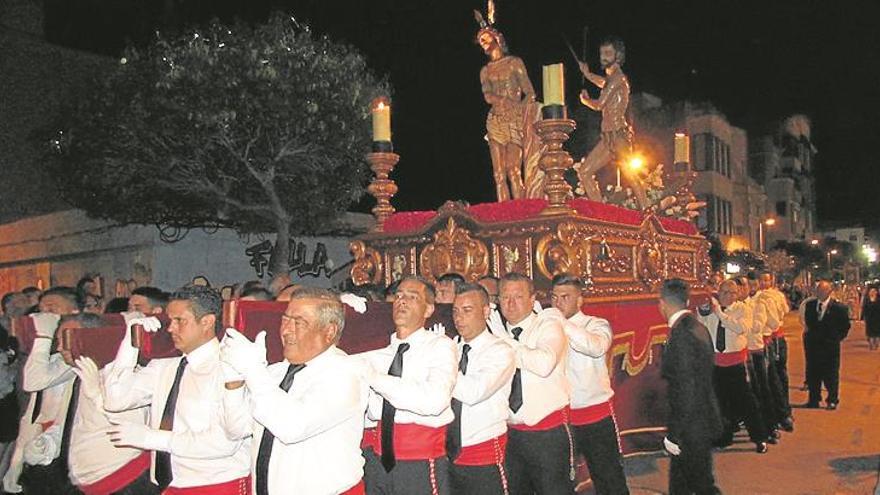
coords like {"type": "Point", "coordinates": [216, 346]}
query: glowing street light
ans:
{"type": "Point", "coordinates": [815, 242]}
{"type": "Point", "coordinates": [636, 163]}
{"type": "Point", "coordinates": [769, 222]}
{"type": "Point", "coordinates": [830, 253]}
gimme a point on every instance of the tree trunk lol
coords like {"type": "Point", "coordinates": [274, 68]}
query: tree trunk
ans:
{"type": "Point", "coordinates": [279, 262]}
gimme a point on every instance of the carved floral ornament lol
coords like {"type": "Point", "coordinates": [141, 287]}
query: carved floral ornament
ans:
{"type": "Point", "coordinates": [367, 264]}
{"type": "Point", "coordinates": [454, 251]}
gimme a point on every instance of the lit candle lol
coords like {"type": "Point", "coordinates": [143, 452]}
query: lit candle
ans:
{"type": "Point", "coordinates": [682, 148]}
{"type": "Point", "coordinates": [381, 119]}
{"type": "Point", "coordinates": [554, 85]}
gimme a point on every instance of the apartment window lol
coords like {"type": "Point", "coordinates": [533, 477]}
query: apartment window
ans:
{"type": "Point", "coordinates": [699, 152]}
{"type": "Point", "coordinates": [781, 208]}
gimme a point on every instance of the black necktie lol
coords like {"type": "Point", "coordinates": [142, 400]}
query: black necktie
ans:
{"type": "Point", "coordinates": [720, 341]}
{"type": "Point", "coordinates": [68, 424]}
{"type": "Point", "coordinates": [163, 459]}
{"type": "Point", "coordinates": [38, 404]}
{"type": "Point", "coordinates": [265, 451]}
{"type": "Point", "coordinates": [396, 369]}
{"type": "Point", "coordinates": [453, 433]}
{"type": "Point", "coordinates": [819, 310]}
{"type": "Point", "coordinates": [516, 400]}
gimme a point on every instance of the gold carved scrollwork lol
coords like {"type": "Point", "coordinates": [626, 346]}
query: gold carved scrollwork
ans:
{"type": "Point", "coordinates": [565, 251]}
{"type": "Point", "coordinates": [367, 265]}
{"type": "Point", "coordinates": [650, 261]}
{"type": "Point", "coordinates": [454, 251]}
{"type": "Point", "coordinates": [613, 263]}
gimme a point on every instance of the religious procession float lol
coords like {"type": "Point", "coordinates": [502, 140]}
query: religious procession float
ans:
{"type": "Point", "coordinates": [623, 239]}
{"type": "Point", "coordinates": [539, 226]}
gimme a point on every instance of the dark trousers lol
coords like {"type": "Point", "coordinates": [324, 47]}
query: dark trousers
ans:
{"type": "Point", "coordinates": [598, 443]}
{"type": "Point", "coordinates": [140, 486]}
{"type": "Point", "coordinates": [781, 366]}
{"type": "Point", "coordinates": [47, 480]}
{"type": "Point", "coordinates": [823, 367]}
{"type": "Point", "coordinates": [691, 471]}
{"type": "Point", "coordinates": [539, 462]}
{"type": "Point", "coordinates": [407, 477]}
{"type": "Point", "coordinates": [737, 402]}
{"type": "Point", "coordinates": [758, 375]}
{"type": "Point", "coordinates": [477, 480]}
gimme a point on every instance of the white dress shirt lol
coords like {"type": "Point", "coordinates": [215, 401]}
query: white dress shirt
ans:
{"type": "Point", "coordinates": [589, 339]}
{"type": "Point", "coordinates": [92, 456]}
{"type": "Point", "coordinates": [541, 355]}
{"type": "Point", "coordinates": [733, 318]}
{"type": "Point", "coordinates": [773, 312]}
{"type": "Point", "coordinates": [210, 440]}
{"type": "Point", "coordinates": [52, 411]}
{"type": "Point", "coordinates": [423, 394]}
{"type": "Point", "coordinates": [317, 424]}
{"type": "Point", "coordinates": [758, 318]}
{"type": "Point", "coordinates": [484, 390]}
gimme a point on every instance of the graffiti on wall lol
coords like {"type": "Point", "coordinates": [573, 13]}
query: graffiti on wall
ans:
{"type": "Point", "coordinates": [300, 262]}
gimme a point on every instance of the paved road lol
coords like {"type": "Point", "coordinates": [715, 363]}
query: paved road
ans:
{"type": "Point", "coordinates": [830, 452]}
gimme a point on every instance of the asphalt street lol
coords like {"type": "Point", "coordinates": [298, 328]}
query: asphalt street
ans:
{"type": "Point", "coordinates": [829, 452]}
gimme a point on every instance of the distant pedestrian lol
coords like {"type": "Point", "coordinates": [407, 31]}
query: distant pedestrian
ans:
{"type": "Point", "coordinates": [871, 317]}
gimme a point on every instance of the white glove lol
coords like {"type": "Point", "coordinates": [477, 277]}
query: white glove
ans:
{"type": "Point", "coordinates": [44, 448]}
{"type": "Point", "coordinates": [671, 448]}
{"type": "Point", "coordinates": [241, 354]}
{"type": "Point", "coordinates": [438, 328]}
{"type": "Point", "coordinates": [46, 324]}
{"type": "Point", "coordinates": [356, 303]}
{"type": "Point", "coordinates": [496, 325]}
{"type": "Point", "coordinates": [90, 380]}
{"type": "Point", "coordinates": [151, 324]}
{"type": "Point", "coordinates": [229, 373]}
{"type": "Point", "coordinates": [139, 436]}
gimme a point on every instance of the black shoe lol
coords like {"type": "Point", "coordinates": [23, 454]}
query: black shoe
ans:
{"type": "Point", "coordinates": [812, 405]}
{"type": "Point", "coordinates": [832, 406]}
{"type": "Point", "coordinates": [772, 440]}
{"type": "Point", "coordinates": [787, 424]}
{"type": "Point", "coordinates": [761, 447]}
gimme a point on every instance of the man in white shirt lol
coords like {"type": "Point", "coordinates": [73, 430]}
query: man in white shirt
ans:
{"type": "Point", "coordinates": [411, 381]}
{"type": "Point", "coordinates": [477, 438]}
{"type": "Point", "coordinates": [764, 316]}
{"type": "Point", "coordinates": [780, 349]}
{"type": "Point", "coordinates": [148, 301]}
{"type": "Point", "coordinates": [309, 408]}
{"type": "Point", "coordinates": [592, 415]}
{"type": "Point", "coordinates": [35, 462]}
{"type": "Point", "coordinates": [727, 325]}
{"type": "Point", "coordinates": [540, 452]}
{"type": "Point", "coordinates": [198, 429]}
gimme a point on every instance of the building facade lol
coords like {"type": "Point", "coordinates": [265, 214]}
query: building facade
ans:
{"type": "Point", "coordinates": [736, 203]}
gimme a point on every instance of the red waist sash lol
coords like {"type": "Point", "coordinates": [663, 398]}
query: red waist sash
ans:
{"type": "Point", "coordinates": [591, 414]}
{"type": "Point", "coordinates": [414, 442]}
{"type": "Point", "coordinates": [552, 420]}
{"type": "Point", "coordinates": [778, 333]}
{"type": "Point", "coordinates": [726, 359]}
{"type": "Point", "coordinates": [120, 478]}
{"type": "Point", "coordinates": [370, 439]}
{"type": "Point", "coordinates": [767, 339]}
{"type": "Point", "coordinates": [488, 453]}
{"type": "Point", "coordinates": [241, 486]}
{"type": "Point", "coordinates": [356, 489]}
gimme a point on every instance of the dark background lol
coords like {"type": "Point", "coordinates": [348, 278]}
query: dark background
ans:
{"type": "Point", "coordinates": [758, 61]}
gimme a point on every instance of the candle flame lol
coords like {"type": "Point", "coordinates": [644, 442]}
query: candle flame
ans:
{"type": "Point", "coordinates": [680, 134]}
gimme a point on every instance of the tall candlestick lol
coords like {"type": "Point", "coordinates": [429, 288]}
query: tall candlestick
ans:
{"type": "Point", "coordinates": [381, 120]}
{"type": "Point", "coordinates": [554, 84]}
{"type": "Point", "coordinates": [682, 148]}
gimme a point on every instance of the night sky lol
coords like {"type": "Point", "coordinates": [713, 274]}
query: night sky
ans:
{"type": "Point", "coordinates": [758, 61]}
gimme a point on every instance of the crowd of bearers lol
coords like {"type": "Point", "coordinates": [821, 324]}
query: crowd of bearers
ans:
{"type": "Point", "coordinates": [504, 407]}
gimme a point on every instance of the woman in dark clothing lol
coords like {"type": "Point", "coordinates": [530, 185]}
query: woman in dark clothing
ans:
{"type": "Point", "coordinates": [871, 317]}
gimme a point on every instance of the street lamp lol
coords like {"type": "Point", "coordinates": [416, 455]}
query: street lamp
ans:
{"type": "Point", "coordinates": [833, 251]}
{"type": "Point", "coordinates": [814, 242]}
{"type": "Point", "coordinates": [768, 222]}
